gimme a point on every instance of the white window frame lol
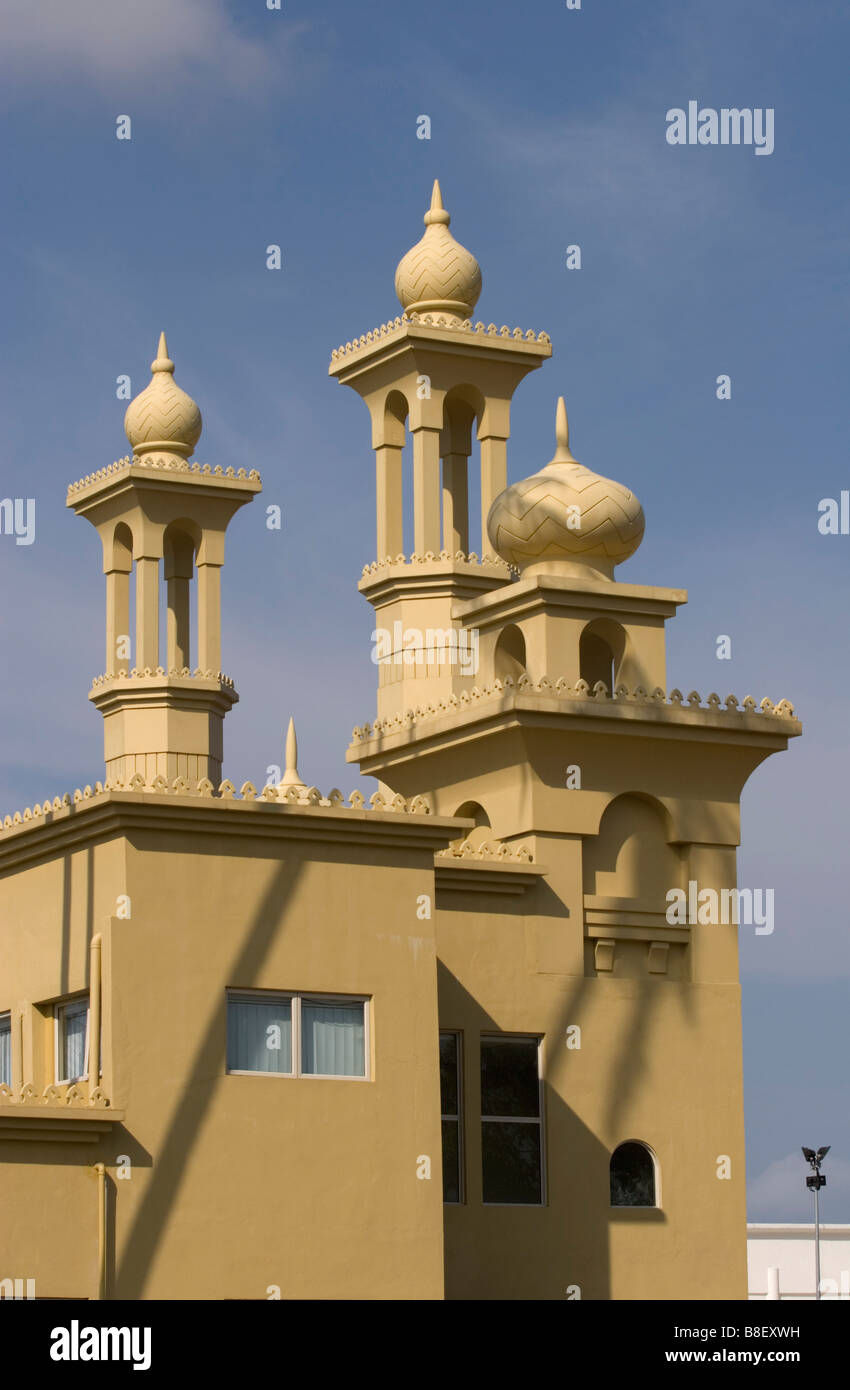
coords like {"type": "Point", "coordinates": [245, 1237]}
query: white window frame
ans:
{"type": "Point", "coordinates": [59, 1011]}
{"type": "Point", "coordinates": [518, 1119]}
{"type": "Point", "coordinates": [295, 1000]}
{"type": "Point", "coordinates": [457, 1119]}
{"type": "Point", "coordinates": [6, 1017]}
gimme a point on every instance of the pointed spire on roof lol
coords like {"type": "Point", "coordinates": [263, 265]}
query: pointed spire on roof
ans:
{"type": "Point", "coordinates": [562, 434]}
{"type": "Point", "coordinates": [162, 362]}
{"type": "Point", "coordinates": [436, 213]}
{"type": "Point", "coordinates": [291, 776]}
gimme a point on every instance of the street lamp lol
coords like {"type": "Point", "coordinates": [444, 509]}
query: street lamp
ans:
{"type": "Point", "coordinates": [815, 1182]}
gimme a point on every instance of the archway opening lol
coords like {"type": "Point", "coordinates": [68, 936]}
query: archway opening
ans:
{"type": "Point", "coordinates": [601, 647]}
{"type": "Point", "coordinates": [482, 830]}
{"type": "Point", "coordinates": [633, 1178]}
{"type": "Point", "coordinates": [509, 657]}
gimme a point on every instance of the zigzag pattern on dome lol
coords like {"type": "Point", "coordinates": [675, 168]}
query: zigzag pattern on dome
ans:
{"type": "Point", "coordinates": [608, 518]}
{"type": "Point", "coordinates": [172, 464]}
{"type": "Point", "coordinates": [178, 786]}
{"type": "Point", "coordinates": [430, 556]}
{"type": "Point", "coordinates": [185, 673]}
{"type": "Point", "coordinates": [581, 691]}
{"type": "Point", "coordinates": [166, 414]}
{"type": "Point", "coordinates": [431, 270]}
{"type": "Point", "coordinates": [436, 321]}
{"type": "Point", "coordinates": [497, 850]}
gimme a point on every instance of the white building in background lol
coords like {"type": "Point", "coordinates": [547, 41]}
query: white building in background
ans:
{"type": "Point", "coordinates": [781, 1261]}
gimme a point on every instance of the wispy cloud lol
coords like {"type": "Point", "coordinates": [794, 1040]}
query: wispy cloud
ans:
{"type": "Point", "coordinates": [129, 41]}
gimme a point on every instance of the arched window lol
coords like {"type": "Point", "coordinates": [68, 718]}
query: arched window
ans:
{"type": "Point", "coordinates": [601, 648]}
{"type": "Point", "coordinates": [509, 659]}
{"type": "Point", "coordinates": [633, 1176]}
{"type": "Point", "coordinates": [472, 810]}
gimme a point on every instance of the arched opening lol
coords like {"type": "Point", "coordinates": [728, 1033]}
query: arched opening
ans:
{"type": "Point", "coordinates": [460, 409]}
{"type": "Point", "coordinates": [509, 658]}
{"type": "Point", "coordinates": [180, 544]}
{"type": "Point", "coordinates": [389, 468]}
{"type": "Point", "coordinates": [633, 1176]}
{"type": "Point", "coordinates": [601, 647]}
{"type": "Point", "coordinates": [120, 601]}
{"type": "Point", "coordinates": [631, 856]}
{"type": "Point", "coordinates": [482, 830]}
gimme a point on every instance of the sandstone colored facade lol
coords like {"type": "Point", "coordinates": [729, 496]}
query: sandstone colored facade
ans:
{"type": "Point", "coordinates": [250, 988]}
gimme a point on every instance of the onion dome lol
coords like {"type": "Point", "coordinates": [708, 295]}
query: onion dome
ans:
{"type": "Point", "coordinates": [163, 418]}
{"type": "Point", "coordinates": [566, 519]}
{"type": "Point", "coordinates": [438, 275]}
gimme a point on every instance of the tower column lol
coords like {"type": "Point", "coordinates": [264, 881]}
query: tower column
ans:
{"type": "Point", "coordinates": [147, 612]}
{"type": "Point", "coordinates": [426, 490]}
{"type": "Point", "coordinates": [117, 619]}
{"type": "Point", "coordinates": [209, 616]}
{"type": "Point", "coordinates": [388, 480]}
{"type": "Point", "coordinates": [494, 478]}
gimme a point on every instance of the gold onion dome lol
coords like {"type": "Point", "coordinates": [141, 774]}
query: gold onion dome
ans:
{"type": "Point", "coordinates": [162, 417]}
{"type": "Point", "coordinates": [566, 519]}
{"type": "Point", "coordinates": [438, 275]}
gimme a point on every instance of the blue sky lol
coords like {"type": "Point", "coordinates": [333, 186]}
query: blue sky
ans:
{"type": "Point", "coordinates": [298, 127]}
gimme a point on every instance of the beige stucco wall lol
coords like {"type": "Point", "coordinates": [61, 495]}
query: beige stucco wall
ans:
{"type": "Point", "coordinates": [238, 1182]}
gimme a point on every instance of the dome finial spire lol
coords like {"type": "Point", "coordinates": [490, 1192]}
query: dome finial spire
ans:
{"type": "Point", "coordinates": [438, 275]}
{"type": "Point", "coordinates": [436, 214]}
{"type": "Point", "coordinates": [562, 434]}
{"type": "Point", "coordinates": [162, 362]}
{"type": "Point", "coordinates": [163, 420]}
{"type": "Point", "coordinates": [565, 519]}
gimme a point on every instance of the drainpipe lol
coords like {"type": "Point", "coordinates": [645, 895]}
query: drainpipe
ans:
{"type": "Point", "coordinates": [100, 1169]}
{"type": "Point", "coordinates": [17, 1045]}
{"type": "Point", "coordinates": [94, 1015]}
{"type": "Point", "coordinates": [94, 1082]}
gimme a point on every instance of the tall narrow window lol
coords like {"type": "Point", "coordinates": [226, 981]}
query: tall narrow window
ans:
{"type": "Point", "coordinates": [633, 1176]}
{"type": "Point", "coordinates": [72, 1035]}
{"type": "Point", "coordinates": [5, 1049]}
{"type": "Point", "coordinates": [452, 1108]}
{"type": "Point", "coordinates": [511, 1121]}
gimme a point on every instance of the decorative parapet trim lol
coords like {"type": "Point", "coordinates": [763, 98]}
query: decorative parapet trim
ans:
{"type": "Point", "coordinates": [74, 1094]}
{"type": "Point", "coordinates": [444, 321]}
{"type": "Point", "coordinates": [490, 849]}
{"type": "Point", "coordinates": [60, 1115]}
{"type": "Point", "coordinates": [150, 672]}
{"type": "Point", "coordinates": [581, 691]}
{"type": "Point", "coordinates": [171, 463]}
{"type": "Point", "coordinates": [430, 557]}
{"type": "Point", "coordinates": [159, 786]}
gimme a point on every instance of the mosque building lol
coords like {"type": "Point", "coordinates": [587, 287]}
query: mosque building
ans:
{"type": "Point", "coordinates": [501, 1070]}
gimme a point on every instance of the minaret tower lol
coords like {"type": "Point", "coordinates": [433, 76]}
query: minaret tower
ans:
{"type": "Point", "coordinates": [163, 701]}
{"type": "Point", "coordinates": [449, 381]}
{"type": "Point", "coordinates": [565, 738]}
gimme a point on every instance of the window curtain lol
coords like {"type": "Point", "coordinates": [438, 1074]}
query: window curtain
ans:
{"type": "Point", "coordinates": [259, 1035]}
{"type": "Point", "coordinates": [332, 1039]}
{"type": "Point", "coordinates": [5, 1052]}
{"type": "Point", "coordinates": [75, 1019]}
